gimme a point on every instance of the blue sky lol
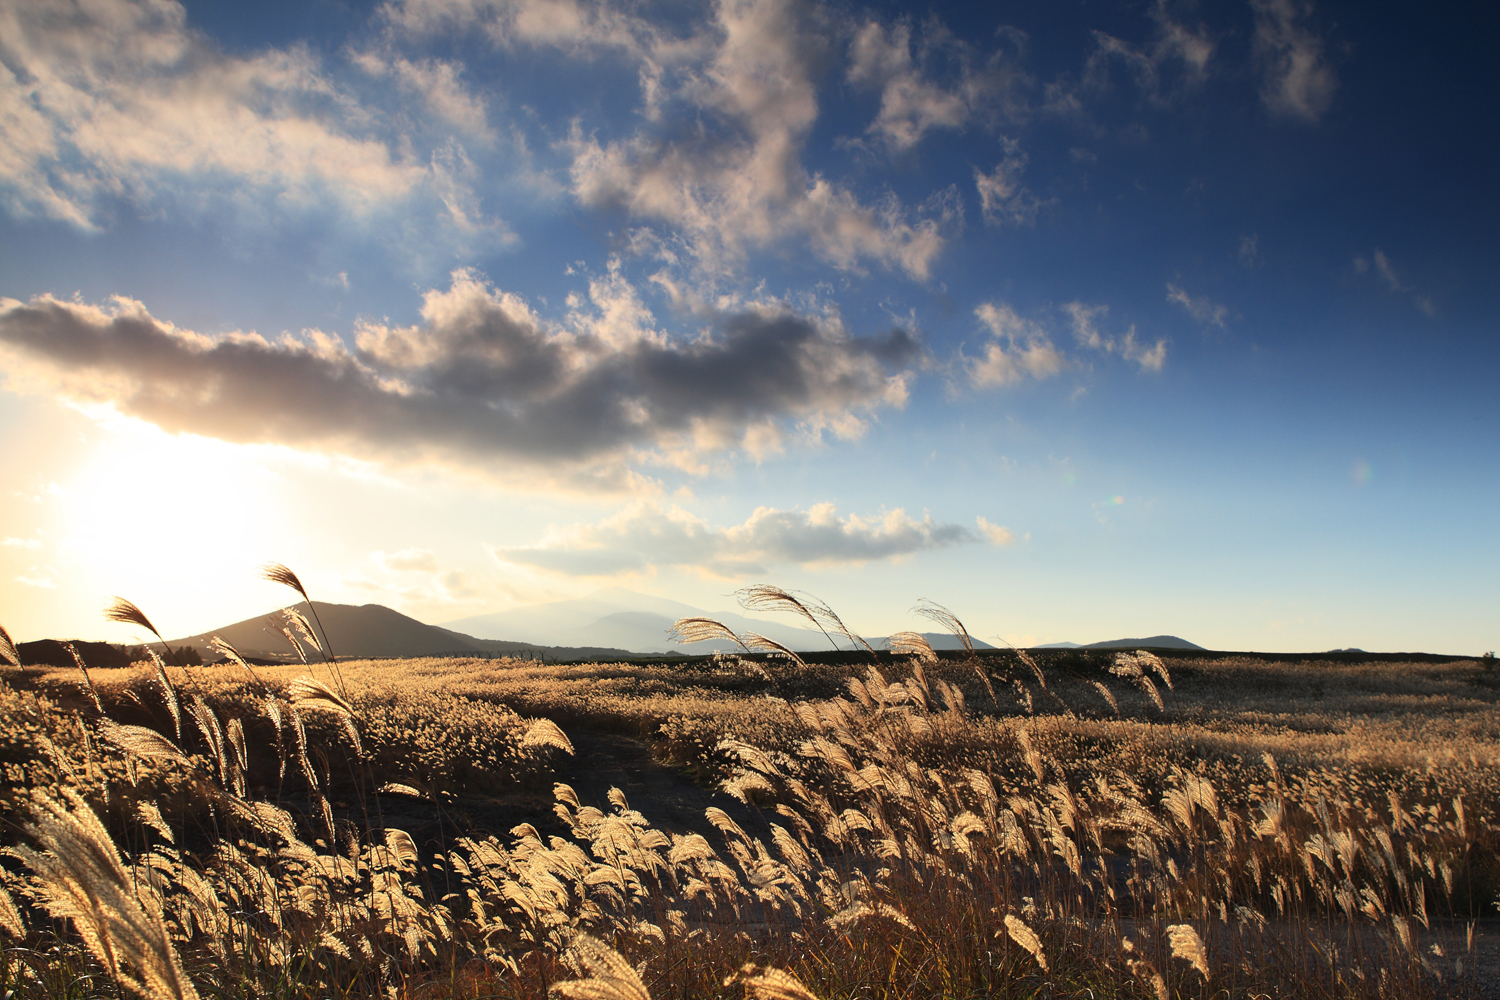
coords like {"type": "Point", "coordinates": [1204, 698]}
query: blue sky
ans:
{"type": "Point", "coordinates": [1085, 320]}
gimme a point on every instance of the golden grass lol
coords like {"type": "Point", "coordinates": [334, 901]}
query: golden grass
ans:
{"type": "Point", "coordinates": [1259, 828]}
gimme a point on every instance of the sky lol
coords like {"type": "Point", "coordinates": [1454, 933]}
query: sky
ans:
{"type": "Point", "coordinates": [1085, 320]}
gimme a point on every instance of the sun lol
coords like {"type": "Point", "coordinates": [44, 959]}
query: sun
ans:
{"type": "Point", "coordinates": [177, 523]}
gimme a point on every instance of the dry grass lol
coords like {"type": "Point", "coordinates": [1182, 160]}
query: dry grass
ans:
{"type": "Point", "coordinates": [1258, 829]}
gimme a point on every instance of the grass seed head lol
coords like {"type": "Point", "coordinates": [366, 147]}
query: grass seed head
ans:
{"type": "Point", "coordinates": [1188, 946]}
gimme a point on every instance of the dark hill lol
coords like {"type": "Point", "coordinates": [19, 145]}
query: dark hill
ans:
{"type": "Point", "coordinates": [373, 630]}
{"type": "Point", "coordinates": [52, 653]}
{"type": "Point", "coordinates": [1150, 642]}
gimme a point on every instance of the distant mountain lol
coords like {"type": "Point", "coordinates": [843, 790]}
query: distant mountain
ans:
{"type": "Point", "coordinates": [373, 630]}
{"type": "Point", "coordinates": [1150, 642]}
{"type": "Point", "coordinates": [623, 618]}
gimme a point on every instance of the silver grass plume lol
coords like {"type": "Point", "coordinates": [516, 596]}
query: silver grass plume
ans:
{"type": "Point", "coordinates": [8, 648]}
{"type": "Point", "coordinates": [278, 573]}
{"type": "Point", "coordinates": [10, 917]}
{"type": "Point", "coordinates": [291, 637]}
{"type": "Point", "coordinates": [310, 693]}
{"type": "Point", "coordinates": [126, 613]}
{"type": "Point", "coordinates": [80, 878]}
{"type": "Point", "coordinates": [226, 649]}
{"type": "Point", "coordinates": [1107, 695]}
{"type": "Point", "coordinates": [912, 644]}
{"type": "Point", "coordinates": [610, 976]}
{"type": "Point", "coordinates": [147, 744]}
{"type": "Point", "coordinates": [1026, 938]}
{"type": "Point", "coordinates": [703, 630]}
{"type": "Point", "coordinates": [1188, 946]}
{"type": "Point", "coordinates": [940, 615]}
{"type": "Point", "coordinates": [770, 984]}
{"type": "Point", "coordinates": [756, 641]}
{"type": "Point", "coordinates": [297, 620]}
{"type": "Point", "coordinates": [88, 681]}
{"type": "Point", "coordinates": [396, 788]}
{"type": "Point", "coordinates": [546, 733]}
{"type": "Point", "coordinates": [766, 597]}
{"type": "Point", "coordinates": [168, 692]}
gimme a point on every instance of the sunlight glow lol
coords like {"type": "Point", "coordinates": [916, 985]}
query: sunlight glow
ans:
{"type": "Point", "coordinates": [176, 523]}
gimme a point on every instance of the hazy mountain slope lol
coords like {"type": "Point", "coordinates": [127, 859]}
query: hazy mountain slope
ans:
{"type": "Point", "coordinates": [623, 618]}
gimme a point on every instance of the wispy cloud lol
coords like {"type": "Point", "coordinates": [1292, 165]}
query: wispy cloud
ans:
{"type": "Point", "coordinates": [1086, 329]}
{"type": "Point", "coordinates": [1386, 271]}
{"type": "Point", "coordinates": [1296, 79]}
{"type": "Point", "coordinates": [407, 560]}
{"type": "Point", "coordinates": [481, 380]}
{"type": "Point", "coordinates": [1172, 63]}
{"type": "Point", "coordinates": [1249, 251]}
{"type": "Point", "coordinates": [1201, 308]}
{"type": "Point", "coordinates": [1002, 198]}
{"type": "Point", "coordinates": [646, 535]}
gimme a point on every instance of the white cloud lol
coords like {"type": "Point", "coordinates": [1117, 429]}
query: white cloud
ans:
{"type": "Point", "coordinates": [121, 99]}
{"type": "Point", "coordinates": [909, 103]}
{"type": "Point", "coordinates": [40, 582]}
{"type": "Point", "coordinates": [1086, 330]}
{"type": "Point", "coordinates": [1001, 197]}
{"type": "Point", "coordinates": [997, 534]}
{"type": "Point", "coordinates": [646, 535]}
{"type": "Point", "coordinates": [737, 181]}
{"type": "Point", "coordinates": [576, 27]}
{"type": "Point", "coordinates": [1296, 79]}
{"type": "Point", "coordinates": [481, 381]}
{"type": "Point", "coordinates": [1019, 348]}
{"type": "Point", "coordinates": [22, 543]}
{"type": "Point", "coordinates": [438, 83]}
{"type": "Point", "coordinates": [1201, 308]}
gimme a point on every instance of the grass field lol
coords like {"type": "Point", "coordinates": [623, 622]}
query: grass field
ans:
{"type": "Point", "coordinates": [1092, 825]}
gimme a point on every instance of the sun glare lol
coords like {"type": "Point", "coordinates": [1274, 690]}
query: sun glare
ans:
{"type": "Point", "coordinates": [176, 523]}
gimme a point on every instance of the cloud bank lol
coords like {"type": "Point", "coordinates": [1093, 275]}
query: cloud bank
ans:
{"type": "Point", "coordinates": [645, 535]}
{"type": "Point", "coordinates": [481, 380]}
{"type": "Point", "coordinates": [120, 100]}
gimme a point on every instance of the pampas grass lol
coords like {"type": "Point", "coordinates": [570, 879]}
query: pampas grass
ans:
{"type": "Point", "coordinates": [883, 839]}
{"type": "Point", "coordinates": [79, 877]}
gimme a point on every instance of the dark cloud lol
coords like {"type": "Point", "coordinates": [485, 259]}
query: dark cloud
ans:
{"type": "Point", "coordinates": [480, 380]}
